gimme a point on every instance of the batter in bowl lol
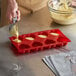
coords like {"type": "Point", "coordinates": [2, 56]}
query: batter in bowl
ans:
{"type": "Point", "coordinates": [64, 18]}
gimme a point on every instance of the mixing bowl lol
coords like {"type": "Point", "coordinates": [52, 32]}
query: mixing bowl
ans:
{"type": "Point", "coordinates": [63, 13]}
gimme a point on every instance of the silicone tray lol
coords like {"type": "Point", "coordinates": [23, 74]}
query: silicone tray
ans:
{"type": "Point", "coordinates": [39, 44]}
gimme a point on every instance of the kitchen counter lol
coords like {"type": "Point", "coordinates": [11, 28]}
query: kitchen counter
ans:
{"type": "Point", "coordinates": [33, 65]}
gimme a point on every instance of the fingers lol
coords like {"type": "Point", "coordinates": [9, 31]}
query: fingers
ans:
{"type": "Point", "coordinates": [13, 14]}
{"type": "Point", "coordinates": [12, 11]}
{"type": "Point", "coordinates": [18, 15]}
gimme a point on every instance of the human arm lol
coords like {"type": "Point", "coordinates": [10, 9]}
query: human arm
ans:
{"type": "Point", "coordinates": [12, 10]}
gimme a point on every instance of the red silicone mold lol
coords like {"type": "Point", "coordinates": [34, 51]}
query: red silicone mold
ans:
{"type": "Point", "coordinates": [39, 41]}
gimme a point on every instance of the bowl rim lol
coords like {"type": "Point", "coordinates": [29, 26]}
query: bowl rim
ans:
{"type": "Point", "coordinates": [58, 11]}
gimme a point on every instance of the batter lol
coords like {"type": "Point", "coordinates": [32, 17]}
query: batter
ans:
{"type": "Point", "coordinates": [29, 38]}
{"type": "Point", "coordinates": [65, 18]}
{"type": "Point", "coordinates": [55, 34]}
{"type": "Point", "coordinates": [42, 36]}
{"type": "Point", "coordinates": [14, 32]}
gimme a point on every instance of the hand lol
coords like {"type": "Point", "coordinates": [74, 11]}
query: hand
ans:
{"type": "Point", "coordinates": [12, 10]}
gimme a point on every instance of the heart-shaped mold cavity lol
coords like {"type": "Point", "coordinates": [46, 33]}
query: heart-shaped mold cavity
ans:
{"type": "Point", "coordinates": [33, 50]}
{"type": "Point", "coordinates": [53, 46]}
{"type": "Point", "coordinates": [42, 34]}
{"type": "Point", "coordinates": [58, 45]}
{"type": "Point", "coordinates": [24, 46]}
{"type": "Point", "coordinates": [46, 47]}
{"type": "Point", "coordinates": [30, 37]}
{"type": "Point", "coordinates": [26, 51]}
{"type": "Point", "coordinates": [48, 41]}
{"type": "Point", "coordinates": [54, 34]}
{"type": "Point", "coordinates": [21, 37]}
{"type": "Point", "coordinates": [39, 49]}
{"type": "Point", "coordinates": [35, 44]}
{"type": "Point", "coordinates": [17, 40]}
